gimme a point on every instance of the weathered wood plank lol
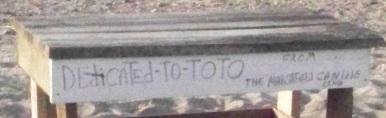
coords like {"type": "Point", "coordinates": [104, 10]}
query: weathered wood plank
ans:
{"type": "Point", "coordinates": [342, 30]}
{"type": "Point", "coordinates": [255, 24]}
{"type": "Point", "coordinates": [40, 103]}
{"type": "Point", "coordinates": [199, 41]}
{"type": "Point", "coordinates": [68, 110]}
{"type": "Point", "coordinates": [340, 103]}
{"type": "Point", "coordinates": [32, 57]}
{"type": "Point", "coordinates": [230, 18]}
{"type": "Point", "coordinates": [151, 17]}
{"type": "Point", "coordinates": [116, 39]}
{"type": "Point", "coordinates": [184, 35]}
{"type": "Point", "coordinates": [221, 42]}
{"type": "Point", "coordinates": [184, 50]}
{"type": "Point", "coordinates": [289, 102]}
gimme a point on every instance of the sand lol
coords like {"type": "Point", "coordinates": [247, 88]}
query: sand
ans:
{"type": "Point", "coordinates": [369, 101]}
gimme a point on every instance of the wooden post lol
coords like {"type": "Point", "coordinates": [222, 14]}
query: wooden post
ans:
{"type": "Point", "coordinates": [67, 110]}
{"type": "Point", "coordinates": [42, 108]}
{"type": "Point", "coordinates": [40, 104]}
{"type": "Point", "coordinates": [289, 103]}
{"type": "Point", "coordinates": [340, 103]}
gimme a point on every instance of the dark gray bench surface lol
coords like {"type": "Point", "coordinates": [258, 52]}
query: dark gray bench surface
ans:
{"type": "Point", "coordinates": [198, 33]}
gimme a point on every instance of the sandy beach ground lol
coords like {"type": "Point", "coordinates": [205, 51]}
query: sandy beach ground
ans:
{"type": "Point", "coordinates": [369, 101]}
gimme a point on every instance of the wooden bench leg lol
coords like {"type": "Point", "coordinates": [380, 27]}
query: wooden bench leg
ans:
{"type": "Point", "coordinates": [42, 108]}
{"type": "Point", "coordinates": [67, 110]}
{"type": "Point", "coordinates": [289, 103]}
{"type": "Point", "coordinates": [340, 103]}
{"type": "Point", "coordinates": [40, 103]}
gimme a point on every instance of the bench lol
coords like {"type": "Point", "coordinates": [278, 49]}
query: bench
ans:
{"type": "Point", "coordinates": [75, 59]}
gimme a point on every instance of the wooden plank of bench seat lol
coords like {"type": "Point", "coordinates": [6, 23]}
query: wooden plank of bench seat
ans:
{"type": "Point", "coordinates": [342, 30]}
{"type": "Point", "coordinates": [172, 21]}
{"type": "Point", "coordinates": [147, 40]}
{"type": "Point", "coordinates": [184, 50]}
{"type": "Point", "coordinates": [114, 22]}
{"type": "Point", "coordinates": [344, 35]}
{"type": "Point", "coordinates": [267, 11]}
{"type": "Point", "coordinates": [132, 27]}
{"type": "Point", "coordinates": [183, 35]}
{"type": "Point", "coordinates": [199, 42]}
{"type": "Point", "coordinates": [246, 36]}
{"type": "Point", "coordinates": [151, 17]}
{"type": "Point", "coordinates": [61, 44]}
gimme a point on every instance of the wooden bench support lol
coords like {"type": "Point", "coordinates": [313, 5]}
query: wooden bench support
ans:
{"type": "Point", "coordinates": [289, 103]}
{"type": "Point", "coordinates": [42, 108]}
{"type": "Point", "coordinates": [40, 103]}
{"type": "Point", "coordinates": [340, 103]}
{"type": "Point", "coordinates": [67, 110]}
